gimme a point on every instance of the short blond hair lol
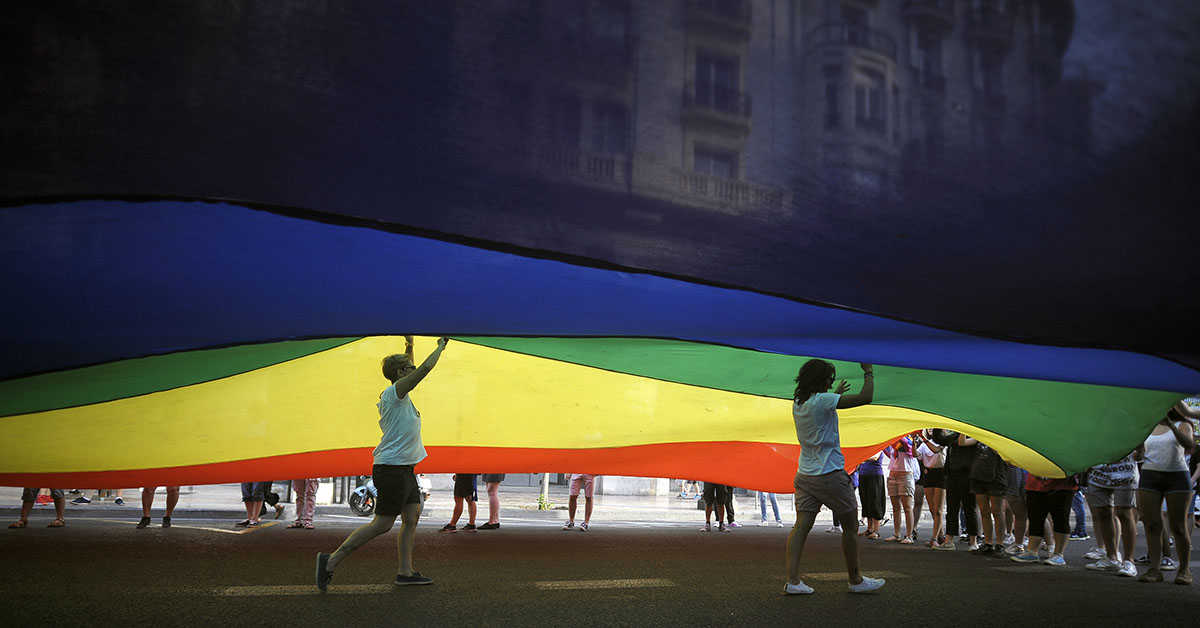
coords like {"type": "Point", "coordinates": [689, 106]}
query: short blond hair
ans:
{"type": "Point", "coordinates": [392, 365]}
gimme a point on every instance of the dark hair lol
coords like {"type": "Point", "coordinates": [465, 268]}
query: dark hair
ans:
{"type": "Point", "coordinates": [813, 378]}
{"type": "Point", "coordinates": [392, 365]}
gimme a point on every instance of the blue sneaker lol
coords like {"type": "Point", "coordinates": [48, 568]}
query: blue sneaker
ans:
{"type": "Point", "coordinates": [1027, 557]}
{"type": "Point", "coordinates": [1056, 560]}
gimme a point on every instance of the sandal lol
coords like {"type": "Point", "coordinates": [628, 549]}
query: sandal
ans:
{"type": "Point", "coordinates": [874, 536]}
{"type": "Point", "coordinates": [892, 539]}
{"type": "Point", "coordinates": [906, 541]}
{"type": "Point", "coordinates": [18, 524]}
{"type": "Point", "coordinates": [308, 526]}
{"type": "Point", "coordinates": [57, 523]}
{"type": "Point", "coordinates": [295, 524]}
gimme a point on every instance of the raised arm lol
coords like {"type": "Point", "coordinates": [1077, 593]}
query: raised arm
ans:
{"type": "Point", "coordinates": [864, 396]}
{"type": "Point", "coordinates": [966, 441]}
{"type": "Point", "coordinates": [405, 384]}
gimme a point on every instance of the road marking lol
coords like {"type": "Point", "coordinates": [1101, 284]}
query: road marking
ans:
{"type": "Point", "coordinates": [302, 589]}
{"type": "Point", "coordinates": [831, 576]}
{"type": "Point", "coordinates": [632, 583]}
{"type": "Point", "coordinates": [178, 525]}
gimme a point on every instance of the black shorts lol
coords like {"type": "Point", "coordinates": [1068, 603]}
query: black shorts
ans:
{"type": "Point", "coordinates": [464, 486]}
{"type": "Point", "coordinates": [1165, 481]}
{"type": "Point", "coordinates": [715, 493]}
{"type": "Point", "coordinates": [934, 478]}
{"type": "Point", "coordinates": [991, 489]}
{"type": "Point", "coordinates": [397, 488]}
{"type": "Point", "coordinates": [493, 477]}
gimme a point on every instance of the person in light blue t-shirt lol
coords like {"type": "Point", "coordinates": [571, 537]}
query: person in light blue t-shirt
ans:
{"type": "Point", "coordinates": [400, 448]}
{"type": "Point", "coordinates": [821, 478]}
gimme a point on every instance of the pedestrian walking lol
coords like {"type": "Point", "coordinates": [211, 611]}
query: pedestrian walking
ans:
{"type": "Point", "coordinates": [585, 482]}
{"type": "Point", "coordinates": [464, 492]}
{"type": "Point", "coordinates": [148, 502]}
{"type": "Point", "coordinates": [821, 477]}
{"type": "Point", "coordinates": [491, 482]}
{"type": "Point", "coordinates": [399, 450]}
{"type": "Point", "coordinates": [29, 496]}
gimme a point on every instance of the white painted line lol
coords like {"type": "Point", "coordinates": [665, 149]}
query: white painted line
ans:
{"type": "Point", "coordinates": [833, 576]}
{"type": "Point", "coordinates": [299, 589]}
{"type": "Point", "coordinates": [187, 527]}
{"type": "Point", "coordinates": [634, 583]}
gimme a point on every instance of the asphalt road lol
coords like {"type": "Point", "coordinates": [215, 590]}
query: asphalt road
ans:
{"type": "Point", "coordinates": [101, 571]}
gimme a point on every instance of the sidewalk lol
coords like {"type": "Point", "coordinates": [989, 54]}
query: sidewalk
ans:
{"type": "Point", "coordinates": [225, 501]}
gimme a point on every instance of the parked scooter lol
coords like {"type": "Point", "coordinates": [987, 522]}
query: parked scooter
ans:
{"type": "Point", "coordinates": [362, 499]}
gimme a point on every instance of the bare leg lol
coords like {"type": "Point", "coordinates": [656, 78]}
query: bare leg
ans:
{"type": "Point", "coordinates": [172, 500]}
{"type": "Point", "coordinates": [60, 507]}
{"type": "Point", "coordinates": [1124, 517]}
{"type": "Point", "coordinates": [985, 517]}
{"type": "Point", "coordinates": [587, 509]}
{"type": "Point", "coordinates": [997, 508]}
{"type": "Point", "coordinates": [493, 492]}
{"type": "Point", "coordinates": [1020, 518]}
{"type": "Point", "coordinates": [252, 510]}
{"type": "Point", "coordinates": [471, 508]}
{"type": "Point", "coordinates": [906, 503]}
{"type": "Point", "coordinates": [795, 542]}
{"type": "Point", "coordinates": [933, 497]}
{"type": "Point", "coordinates": [1177, 522]}
{"type": "Point", "coordinates": [376, 526]}
{"type": "Point", "coordinates": [849, 523]}
{"type": "Point", "coordinates": [26, 508]}
{"type": "Point", "coordinates": [147, 499]}
{"type": "Point", "coordinates": [1150, 507]}
{"type": "Point", "coordinates": [895, 515]}
{"type": "Point", "coordinates": [1102, 516]}
{"type": "Point", "coordinates": [572, 504]}
{"type": "Point", "coordinates": [407, 537]}
{"type": "Point", "coordinates": [458, 508]}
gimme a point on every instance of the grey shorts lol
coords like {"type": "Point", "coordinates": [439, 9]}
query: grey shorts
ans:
{"type": "Point", "coordinates": [833, 490]}
{"type": "Point", "coordinates": [30, 494]}
{"type": "Point", "coordinates": [1101, 496]}
{"type": "Point", "coordinates": [900, 485]}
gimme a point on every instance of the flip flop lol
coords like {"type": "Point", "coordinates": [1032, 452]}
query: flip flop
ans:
{"type": "Point", "coordinates": [17, 525]}
{"type": "Point", "coordinates": [57, 523]}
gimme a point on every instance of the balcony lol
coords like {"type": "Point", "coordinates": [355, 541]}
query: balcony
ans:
{"type": "Point", "coordinates": [936, 14]}
{"type": "Point", "coordinates": [715, 106]}
{"type": "Point", "coordinates": [847, 35]}
{"type": "Point", "coordinates": [573, 165]}
{"type": "Point", "coordinates": [990, 28]}
{"type": "Point", "coordinates": [729, 19]}
{"type": "Point", "coordinates": [731, 195]}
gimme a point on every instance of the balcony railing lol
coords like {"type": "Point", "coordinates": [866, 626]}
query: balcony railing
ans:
{"type": "Point", "coordinates": [728, 193]}
{"type": "Point", "coordinates": [730, 17]}
{"type": "Point", "coordinates": [723, 100]}
{"type": "Point", "coordinates": [989, 26]}
{"type": "Point", "coordinates": [849, 35]}
{"type": "Point", "coordinates": [937, 13]}
{"type": "Point", "coordinates": [567, 162]}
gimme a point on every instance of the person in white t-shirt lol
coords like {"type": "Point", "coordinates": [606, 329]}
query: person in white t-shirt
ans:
{"type": "Point", "coordinates": [821, 478]}
{"type": "Point", "coordinates": [399, 450]}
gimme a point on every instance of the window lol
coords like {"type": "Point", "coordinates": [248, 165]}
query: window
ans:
{"type": "Point", "coordinates": [715, 162]}
{"type": "Point", "coordinates": [609, 129]}
{"type": "Point", "coordinates": [717, 82]}
{"type": "Point", "coordinates": [870, 108]}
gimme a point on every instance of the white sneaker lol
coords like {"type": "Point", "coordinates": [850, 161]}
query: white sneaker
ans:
{"type": "Point", "coordinates": [973, 547]}
{"type": "Point", "coordinates": [1009, 539]}
{"type": "Point", "coordinates": [778, 524]}
{"type": "Point", "coordinates": [867, 585]}
{"type": "Point", "coordinates": [1055, 560]}
{"type": "Point", "coordinates": [707, 528]}
{"type": "Point", "coordinates": [568, 525]}
{"type": "Point", "coordinates": [1104, 564]}
{"type": "Point", "coordinates": [1094, 554]}
{"type": "Point", "coordinates": [1127, 570]}
{"type": "Point", "coordinates": [797, 589]}
{"type": "Point", "coordinates": [1015, 550]}
{"type": "Point", "coordinates": [762, 524]}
